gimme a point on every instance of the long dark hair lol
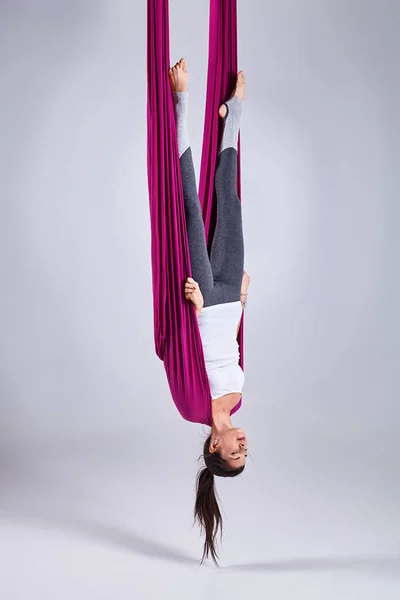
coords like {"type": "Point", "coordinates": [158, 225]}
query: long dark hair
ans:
{"type": "Point", "coordinates": [206, 509]}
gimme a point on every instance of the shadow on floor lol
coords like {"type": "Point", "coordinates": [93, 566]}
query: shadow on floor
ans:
{"type": "Point", "coordinates": [140, 545]}
{"type": "Point", "coordinates": [109, 534]}
{"type": "Point", "coordinates": [370, 563]}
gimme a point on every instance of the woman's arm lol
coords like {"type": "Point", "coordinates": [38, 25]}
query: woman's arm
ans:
{"type": "Point", "coordinates": [243, 295]}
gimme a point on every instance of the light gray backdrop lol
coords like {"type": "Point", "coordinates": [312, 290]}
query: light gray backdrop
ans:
{"type": "Point", "coordinates": [97, 468]}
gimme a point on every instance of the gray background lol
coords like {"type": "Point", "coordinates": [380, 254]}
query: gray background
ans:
{"type": "Point", "coordinates": [97, 468]}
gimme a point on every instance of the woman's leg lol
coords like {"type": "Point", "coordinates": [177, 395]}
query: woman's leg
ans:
{"type": "Point", "coordinates": [227, 252]}
{"type": "Point", "coordinates": [201, 268]}
{"type": "Point", "coordinates": [219, 277]}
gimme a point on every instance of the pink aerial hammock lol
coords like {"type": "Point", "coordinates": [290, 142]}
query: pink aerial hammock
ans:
{"type": "Point", "coordinates": [176, 333]}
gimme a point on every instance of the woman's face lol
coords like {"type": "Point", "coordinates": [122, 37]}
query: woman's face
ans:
{"type": "Point", "coordinates": [232, 446]}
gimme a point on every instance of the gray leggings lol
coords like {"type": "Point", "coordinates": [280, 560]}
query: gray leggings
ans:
{"type": "Point", "coordinates": [220, 275]}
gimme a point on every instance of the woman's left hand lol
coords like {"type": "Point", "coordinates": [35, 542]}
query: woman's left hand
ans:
{"type": "Point", "coordinates": [193, 293]}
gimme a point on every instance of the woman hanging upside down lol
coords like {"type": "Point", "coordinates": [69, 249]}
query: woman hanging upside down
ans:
{"type": "Point", "coordinates": [219, 292]}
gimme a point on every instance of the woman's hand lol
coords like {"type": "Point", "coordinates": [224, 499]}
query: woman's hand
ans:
{"type": "Point", "coordinates": [245, 288]}
{"type": "Point", "coordinates": [193, 293]}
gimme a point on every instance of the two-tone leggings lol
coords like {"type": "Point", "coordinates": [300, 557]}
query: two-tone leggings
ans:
{"type": "Point", "coordinates": [219, 275]}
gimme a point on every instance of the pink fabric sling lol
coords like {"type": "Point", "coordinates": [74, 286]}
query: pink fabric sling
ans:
{"type": "Point", "coordinates": [176, 332]}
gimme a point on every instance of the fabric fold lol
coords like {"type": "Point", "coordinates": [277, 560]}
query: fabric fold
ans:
{"type": "Point", "coordinates": [176, 332]}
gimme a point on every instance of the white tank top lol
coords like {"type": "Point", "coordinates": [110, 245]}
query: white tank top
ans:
{"type": "Point", "coordinates": [218, 326]}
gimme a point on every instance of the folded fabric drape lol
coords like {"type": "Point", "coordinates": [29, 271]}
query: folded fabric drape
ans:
{"type": "Point", "coordinates": [176, 333]}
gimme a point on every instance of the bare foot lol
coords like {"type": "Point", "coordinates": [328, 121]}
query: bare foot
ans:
{"type": "Point", "coordinates": [239, 91]}
{"type": "Point", "coordinates": [193, 293]}
{"type": "Point", "coordinates": [178, 76]}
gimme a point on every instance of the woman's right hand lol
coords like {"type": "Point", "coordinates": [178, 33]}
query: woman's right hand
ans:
{"type": "Point", "coordinates": [193, 293]}
{"type": "Point", "coordinates": [245, 288]}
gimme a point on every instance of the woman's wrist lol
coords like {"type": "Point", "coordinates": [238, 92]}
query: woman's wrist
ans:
{"type": "Point", "coordinates": [243, 299]}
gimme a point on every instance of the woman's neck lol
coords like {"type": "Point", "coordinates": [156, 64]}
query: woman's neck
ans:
{"type": "Point", "coordinates": [221, 411]}
{"type": "Point", "coordinates": [221, 421]}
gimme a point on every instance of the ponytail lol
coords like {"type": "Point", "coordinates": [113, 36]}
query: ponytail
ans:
{"type": "Point", "coordinates": [207, 512]}
{"type": "Point", "coordinates": [206, 509]}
